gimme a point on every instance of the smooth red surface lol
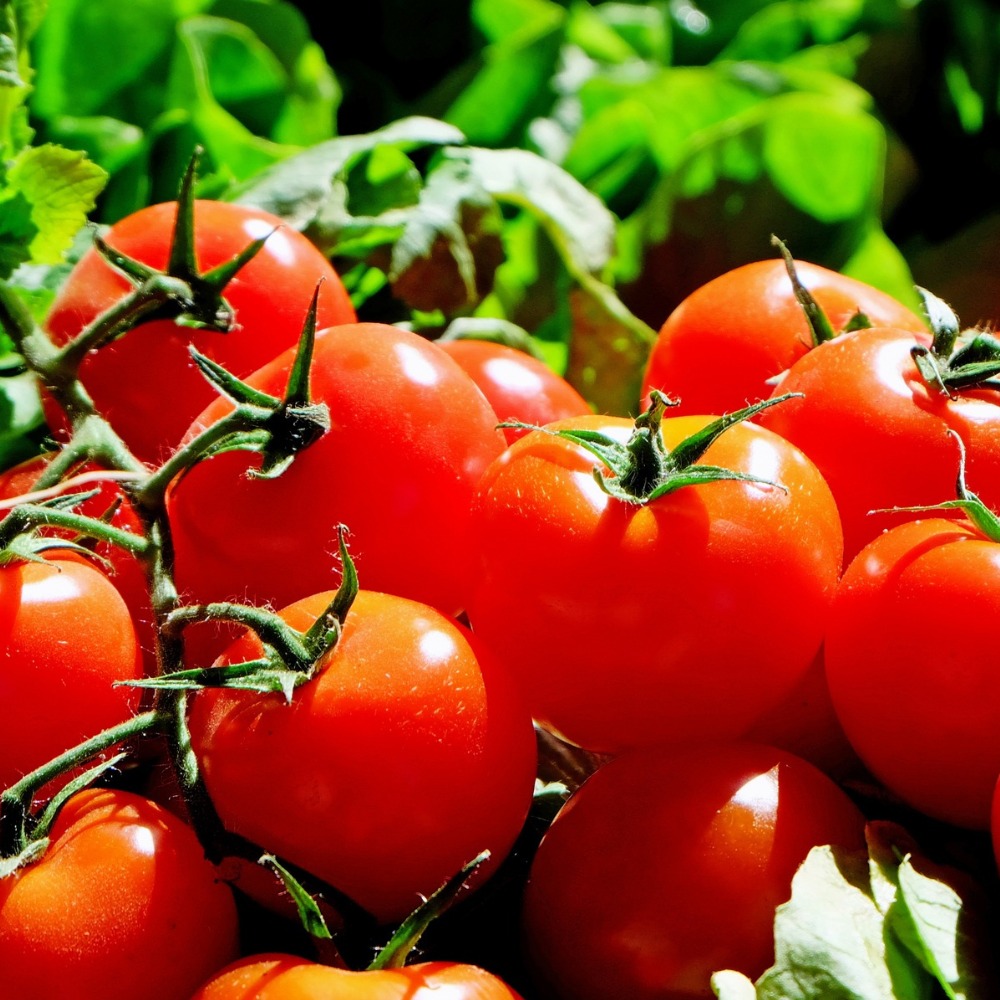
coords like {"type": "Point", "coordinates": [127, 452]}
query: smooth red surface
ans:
{"type": "Point", "coordinates": [718, 348]}
{"type": "Point", "coordinates": [123, 904]}
{"type": "Point", "coordinates": [408, 754]}
{"type": "Point", "coordinates": [667, 864]}
{"type": "Point", "coordinates": [911, 664]}
{"type": "Point", "coordinates": [146, 383]}
{"type": "Point", "coordinates": [689, 616]}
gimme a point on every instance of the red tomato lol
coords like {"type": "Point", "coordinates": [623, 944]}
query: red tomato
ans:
{"type": "Point", "coordinates": [719, 347]}
{"type": "Point", "coordinates": [688, 616]}
{"type": "Point", "coordinates": [66, 636]}
{"type": "Point", "coordinates": [146, 383]}
{"type": "Point", "coordinates": [921, 703]}
{"type": "Point", "coordinates": [667, 864]}
{"type": "Point", "coordinates": [122, 904]}
{"type": "Point", "coordinates": [286, 977]}
{"type": "Point", "coordinates": [880, 436]}
{"type": "Point", "coordinates": [407, 755]}
{"type": "Point", "coordinates": [124, 569]}
{"type": "Point", "coordinates": [518, 386]}
{"type": "Point", "coordinates": [410, 436]}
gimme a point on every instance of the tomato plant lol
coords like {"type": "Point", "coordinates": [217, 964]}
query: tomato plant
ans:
{"type": "Point", "coordinates": [910, 665]}
{"type": "Point", "coordinates": [122, 903]}
{"type": "Point", "coordinates": [286, 977]}
{"type": "Point", "coordinates": [666, 865]}
{"type": "Point", "coordinates": [687, 615]}
{"type": "Point", "coordinates": [880, 434]}
{"type": "Point", "coordinates": [410, 435]}
{"type": "Point", "coordinates": [518, 386]}
{"type": "Point", "coordinates": [146, 383]}
{"type": "Point", "coordinates": [720, 346]}
{"type": "Point", "coordinates": [405, 756]}
{"type": "Point", "coordinates": [67, 636]}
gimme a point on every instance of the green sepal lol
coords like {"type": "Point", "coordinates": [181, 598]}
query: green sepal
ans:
{"type": "Point", "coordinates": [942, 320]}
{"type": "Point", "coordinates": [309, 912]}
{"type": "Point", "coordinates": [33, 851]}
{"type": "Point", "coordinates": [643, 469]}
{"type": "Point", "coordinates": [820, 327]}
{"type": "Point", "coordinates": [261, 675]}
{"type": "Point", "coordinates": [234, 389]}
{"type": "Point", "coordinates": [409, 932]}
{"type": "Point", "coordinates": [43, 824]}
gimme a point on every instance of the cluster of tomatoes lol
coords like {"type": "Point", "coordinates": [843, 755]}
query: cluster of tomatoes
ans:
{"type": "Point", "coordinates": [667, 593]}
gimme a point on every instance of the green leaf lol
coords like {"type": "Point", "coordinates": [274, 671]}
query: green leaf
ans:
{"type": "Point", "coordinates": [60, 188]}
{"type": "Point", "coordinates": [830, 940]}
{"type": "Point", "coordinates": [302, 189]}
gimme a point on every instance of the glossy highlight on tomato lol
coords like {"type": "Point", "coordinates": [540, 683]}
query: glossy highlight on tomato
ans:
{"type": "Point", "coordinates": [666, 866]}
{"type": "Point", "coordinates": [408, 754]}
{"type": "Point", "coordinates": [146, 382]}
{"type": "Point", "coordinates": [287, 977]}
{"type": "Point", "coordinates": [717, 350]}
{"type": "Point", "coordinates": [122, 904]}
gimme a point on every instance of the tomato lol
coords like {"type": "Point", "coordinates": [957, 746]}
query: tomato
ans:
{"type": "Point", "coordinates": [404, 757]}
{"type": "Point", "coordinates": [911, 666]}
{"type": "Point", "coordinates": [410, 436]}
{"type": "Point", "coordinates": [667, 864]}
{"type": "Point", "coordinates": [66, 636]}
{"type": "Point", "coordinates": [518, 386]}
{"type": "Point", "coordinates": [687, 616]}
{"type": "Point", "coordinates": [718, 348]}
{"type": "Point", "coordinates": [286, 977]}
{"type": "Point", "coordinates": [122, 903]}
{"type": "Point", "coordinates": [125, 570]}
{"type": "Point", "coordinates": [880, 435]}
{"type": "Point", "coordinates": [146, 383]}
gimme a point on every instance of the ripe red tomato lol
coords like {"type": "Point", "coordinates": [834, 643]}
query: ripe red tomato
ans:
{"type": "Point", "coordinates": [880, 436]}
{"type": "Point", "coordinates": [124, 569]}
{"type": "Point", "coordinates": [410, 436]}
{"type": "Point", "coordinates": [667, 864]}
{"type": "Point", "coordinates": [287, 977]}
{"type": "Point", "coordinates": [408, 754]}
{"type": "Point", "coordinates": [920, 702]}
{"type": "Point", "coordinates": [145, 383]}
{"type": "Point", "coordinates": [718, 348]}
{"type": "Point", "coordinates": [66, 636]}
{"type": "Point", "coordinates": [518, 386]}
{"type": "Point", "coordinates": [628, 624]}
{"type": "Point", "coordinates": [122, 903]}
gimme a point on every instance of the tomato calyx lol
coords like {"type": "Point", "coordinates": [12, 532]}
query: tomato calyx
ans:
{"type": "Point", "coordinates": [642, 468]}
{"type": "Point", "coordinates": [820, 327]}
{"type": "Point", "coordinates": [291, 658]}
{"type": "Point", "coordinates": [955, 360]}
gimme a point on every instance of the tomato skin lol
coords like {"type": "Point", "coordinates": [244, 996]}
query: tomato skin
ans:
{"type": "Point", "coordinates": [146, 383]}
{"type": "Point", "coordinates": [687, 617]}
{"type": "Point", "coordinates": [666, 865]}
{"type": "Point", "coordinates": [287, 977]}
{"type": "Point", "coordinates": [518, 386]}
{"type": "Point", "coordinates": [718, 348]}
{"type": "Point", "coordinates": [121, 904]}
{"type": "Point", "coordinates": [410, 436]}
{"type": "Point", "coordinates": [880, 436]}
{"type": "Point", "coordinates": [408, 754]}
{"type": "Point", "coordinates": [918, 699]}
{"type": "Point", "coordinates": [66, 636]}
{"type": "Point", "coordinates": [124, 569]}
